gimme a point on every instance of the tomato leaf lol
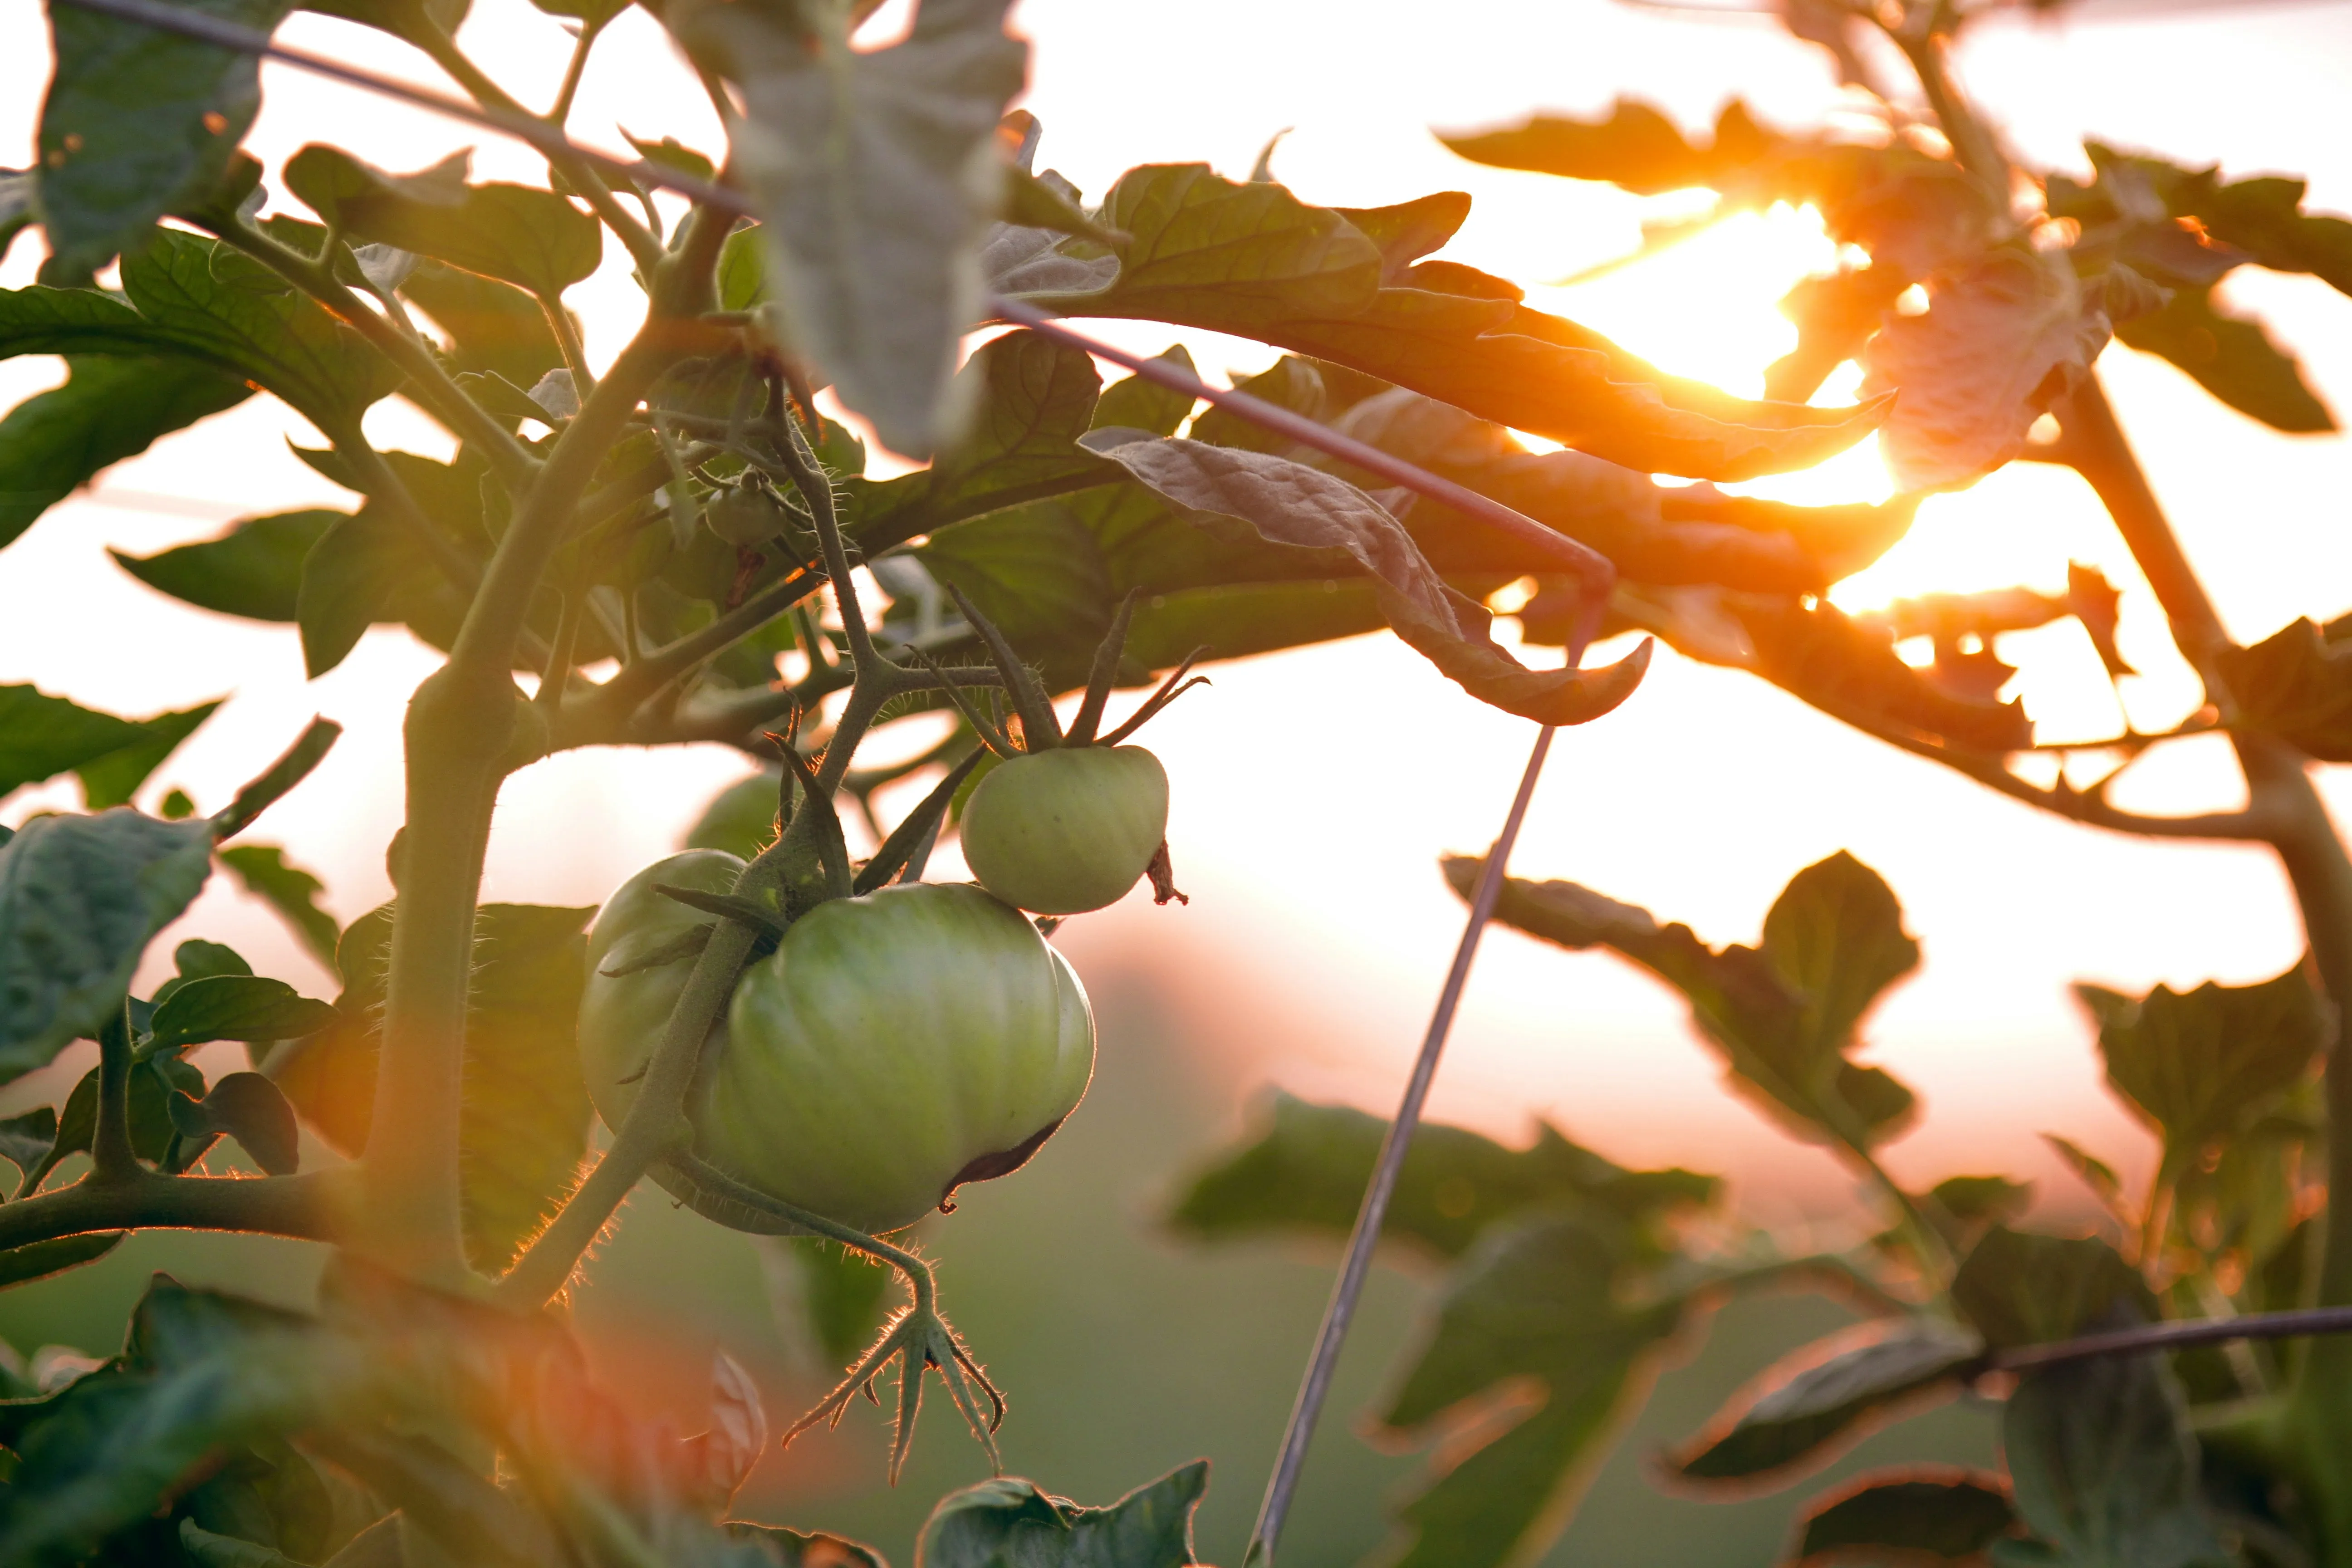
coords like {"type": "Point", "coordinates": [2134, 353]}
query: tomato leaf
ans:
{"type": "Point", "coordinates": [1150, 1527]}
{"type": "Point", "coordinates": [1252, 260]}
{"type": "Point", "coordinates": [136, 121]}
{"type": "Point", "coordinates": [40, 1259]}
{"type": "Point", "coordinates": [2200, 1066]}
{"type": "Point", "coordinates": [26, 1138]}
{"type": "Point", "coordinates": [235, 1007]}
{"type": "Point", "coordinates": [2296, 683]}
{"type": "Point", "coordinates": [2016, 1287]}
{"type": "Point", "coordinates": [531, 238]}
{"type": "Point", "coordinates": [2104, 1467]}
{"type": "Point", "coordinates": [114, 778]}
{"type": "Point", "coordinates": [2002, 340]}
{"type": "Point", "coordinates": [80, 897]}
{"type": "Point", "coordinates": [1804, 1412]}
{"type": "Point", "coordinates": [878, 173]}
{"type": "Point", "coordinates": [208, 1549]}
{"type": "Point", "coordinates": [1784, 1014]}
{"type": "Point", "coordinates": [794, 1549]}
{"type": "Point", "coordinates": [1240, 496]}
{"type": "Point", "coordinates": [1308, 1169]}
{"type": "Point", "coordinates": [1929, 1509]}
{"type": "Point", "coordinates": [19, 205]}
{"type": "Point", "coordinates": [493, 327]}
{"type": "Point", "coordinates": [249, 1107]}
{"type": "Point", "coordinates": [254, 570]}
{"type": "Point", "coordinates": [2232, 358]}
{"type": "Point", "coordinates": [524, 1125]}
{"type": "Point", "coordinates": [42, 736]}
{"type": "Point", "coordinates": [1534, 1301]}
{"type": "Point", "coordinates": [109, 409]}
{"type": "Point", "coordinates": [289, 889]}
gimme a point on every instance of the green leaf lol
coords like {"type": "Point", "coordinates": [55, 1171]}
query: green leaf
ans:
{"type": "Point", "coordinates": [1238, 496]}
{"type": "Point", "coordinates": [877, 173]}
{"type": "Point", "coordinates": [114, 778]}
{"type": "Point", "coordinates": [206, 1550]}
{"type": "Point", "coordinates": [1823, 1398]}
{"type": "Point", "coordinates": [2297, 683]}
{"type": "Point", "coordinates": [289, 889]}
{"type": "Point", "coordinates": [236, 1007]}
{"type": "Point", "coordinates": [1533, 1300]}
{"type": "Point", "coordinates": [39, 1260]}
{"type": "Point", "coordinates": [1783, 1014]}
{"type": "Point", "coordinates": [2104, 1471]}
{"type": "Point", "coordinates": [493, 327]}
{"type": "Point", "coordinates": [1249, 618]}
{"type": "Point", "coordinates": [109, 409]}
{"type": "Point", "coordinates": [254, 570]}
{"type": "Point", "coordinates": [1031, 399]}
{"type": "Point", "coordinates": [2200, 1067]}
{"type": "Point", "coordinates": [2232, 358]}
{"type": "Point", "coordinates": [364, 568]}
{"type": "Point", "coordinates": [26, 1138]}
{"type": "Point", "coordinates": [792, 1549]}
{"type": "Point", "coordinates": [533, 239]}
{"type": "Point", "coordinates": [42, 736]}
{"type": "Point", "coordinates": [1407, 231]}
{"type": "Point", "coordinates": [1308, 1172]}
{"type": "Point", "coordinates": [2021, 1288]}
{"type": "Point", "coordinates": [415, 20]}
{"type": "Point", "coordinates": [80, 897]}
{"type": "Point", "coordinates": [1937, 1514]}
{"type": "Point", "coordinates": [1035, 573]}
{"type": "Point", "coordinates": [19, 205]}
{"type": "Point", "coordinates": [2002, 340]}
{"type": "Point", "coordinates": [1636, 148]}
{"type": "Point", "coordinates": [137, 121]}
{"type": "Point", "coordinates": [1253, 261]}
{"type": "Point", "coordinates": [1010, 1519]}
{"type": "Point", "coordinates": [249, 1107]}
{"type": "Point", "coordinates": [740, 819]}
{"type": "Point", "coordinates": [1138, 403]}
{"type": "Point", "coordinates": [524, 1125]}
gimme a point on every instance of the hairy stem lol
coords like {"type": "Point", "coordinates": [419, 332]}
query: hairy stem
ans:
{"type": "Point", "coordinates": [313, 1206]}
{"type": "Point", "coordinates": [113, 1162]}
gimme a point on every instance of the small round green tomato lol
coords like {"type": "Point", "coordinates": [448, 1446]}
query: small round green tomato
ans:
{"type": "Point", "coordinates": [1065, 831]}
{"type": "Point", "coordinates": [622, 1016]}
{"type": "Point", "coordinates": [893, 1048]}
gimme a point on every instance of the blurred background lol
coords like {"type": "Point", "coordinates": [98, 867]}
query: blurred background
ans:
{"type": "Point", "coordinates": [1314, 790]}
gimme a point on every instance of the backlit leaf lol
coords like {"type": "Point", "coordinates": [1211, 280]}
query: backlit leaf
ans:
{"type": "Point", "coordinates": [42, 736]}
{"type": "Point", "coordinates": [531, 238]}
{"type": "Point", "coordinates": [1010, 1519]}
{"type": "Point", "coordinates": [39, 1260]}
{"type": "Point", "coordinates": [1237, 494]}
{"type": "Point", "coordinates": [109, 409]}
{"type": "Point", "coordinates": [253, 570]}
{"type": "Point", "coordinates": [289, 889]}
{"type": "Point", "coordinates": [2104, 1469]}
{"type": "Point", "coordinates": [2016, 1287]}
{"type": "Point", "coordinates": [2232, 358]}
{"type": "Point", "coordinates": [1803, 1412]}
{"type": "Point", "coordinates": [1929, 1510]}
{"type": "Point", "coordinates": [492, 327]}
{"type": "Point", "coordinates": [524, 1125]}
{"type": "Point", "coordinates": [137, 119]}
{"type": "Point", "coordinates": [114, 778]}
{"type": "Point", "coordinates": [2296, 683]}
{"type": "Point", "coordinates": [878, 173]}
{"type": "Point", "coordinates": [80, 897]}
{"type": "Point", "coordinates": [249, 1107]}
{"type": "Point", "coordinates": [236, 1007]}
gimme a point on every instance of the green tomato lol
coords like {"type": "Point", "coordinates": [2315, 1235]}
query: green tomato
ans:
{"type": "Point", "coordinates": [622, 1016]}
{"type": "Point", "coordinates": [892, 1048]}
{"type": "Point", "coordinates": [746, 514]}
{"type": "Point", "coordinates": [1069, 830]}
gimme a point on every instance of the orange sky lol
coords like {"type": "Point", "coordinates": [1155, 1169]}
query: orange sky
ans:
{"type": "Point", "coordinates": [1314, 790]}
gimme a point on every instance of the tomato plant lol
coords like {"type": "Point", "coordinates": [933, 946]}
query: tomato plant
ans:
{"type": "Point", "coordinates": [676, 546]}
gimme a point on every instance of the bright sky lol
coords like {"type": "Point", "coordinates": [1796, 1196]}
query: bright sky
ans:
{"type": "Point", "coordinates": [1314, 790]}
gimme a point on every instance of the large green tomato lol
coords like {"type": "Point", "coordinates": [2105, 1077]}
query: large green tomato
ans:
{"type": "Point", "coordinates": [893, 1048]}
{"type": "Point", "coordinates": [1069, 830]}
{"type": "Point", "coordinates": [622, 1016]}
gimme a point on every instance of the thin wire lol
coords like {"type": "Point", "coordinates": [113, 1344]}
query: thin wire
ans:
{"type": "Point", "coordinates": [1596, 576]}
{"type": "Point", "coordinates": [1341, 1311]}
{"type": "Point", "coordinates": [2288, 1325]}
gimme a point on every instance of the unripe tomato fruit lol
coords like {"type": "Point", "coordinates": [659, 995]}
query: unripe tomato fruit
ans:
{"type": "Point", "coordinates": [893, 1046]}
{"type": "Point", "coordinates": [746, 514]}
{"type": "Point", "coordinates": [1064, 831]}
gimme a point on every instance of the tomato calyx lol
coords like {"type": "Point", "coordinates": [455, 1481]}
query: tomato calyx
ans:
{"type": "Point", "coordinates": [1004, 1162]}
{"type": "Point", "coordinates": [1163, 876]}
{"type": "Point", "coordinates": [1039, 729]}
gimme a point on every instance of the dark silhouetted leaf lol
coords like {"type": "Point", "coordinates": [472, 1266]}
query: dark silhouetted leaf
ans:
{"type": "Point", "coordinates": [254, 570]}
{"type": "Point", "coordinates": [207, 1549]}
{"type": "Point", "coordinates": [534, 239]}
{"type": "Point", "coordinates": [2232, 358]}
{"type": "Point", "coordinates": [80, 897]}
{"type": "Point", "coordinates": [2200, 1067]}
{"type": "Point", "coordinates": [524, 1125]}
{"type": "Point", "coordinates": [39, 1260]}
{"type": "Point", "coordinates": [1929, 1511]}
{"type": "Point", "coordinates": [878, 172]}
{"type": "Point", "coordinates": [1835, 315]}
{"type": "Point", "coordinates": [493, 326]}
{"type": "Point", "coordinates": [2296, 683]}
{"type": "Point", "coordinates": [42, 736]}
{"type": "Point", "coordinates": [250, 1108]}
{"type": "Point", "coordinates": [289, 889]}
{"type": "Point", "coordinates": [1802, 1413]}
{"type": "Point", "coordinates": [2021, 1288]}
{"type": "Point", "coordinates": [137, 121]}
{"type": "Point", "coordinates": [1784, 1014]}
{"type": "Point", "coordinates": [793, 1549]}
{"type": "Point", "coordinates": [114, 778]}
{"type": "Point", "coordinates": [1010, 1519]}
{"type": "Point", "coordinates": [2104, 1469]}
{"type": "Point", "coordinates": [25, 1137]}
{"type": "Point", "coordinates": [109, 409]}
{"type": "Point", "coordinates": [1308, 1169]}
{"type": "Point", "coordinates": [1340, 527]}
